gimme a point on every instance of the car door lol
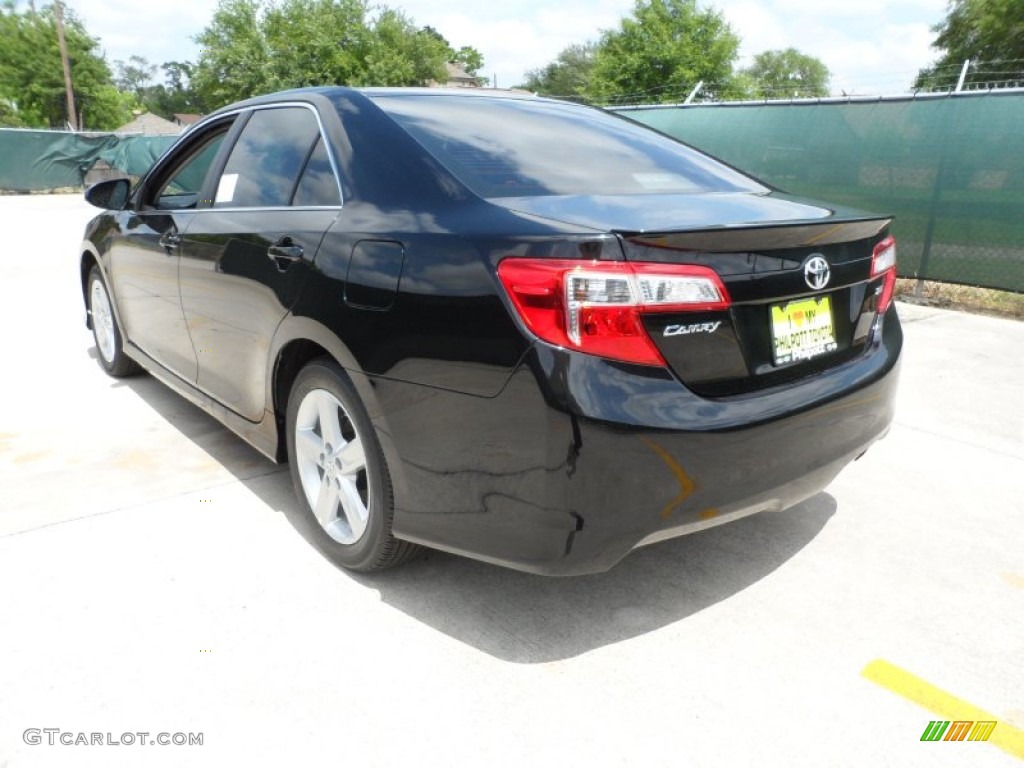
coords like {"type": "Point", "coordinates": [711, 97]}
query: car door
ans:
{"type": "Point", "coordinates": [246, 255]}
{"type": "Point", "coordinates": [144, 255]}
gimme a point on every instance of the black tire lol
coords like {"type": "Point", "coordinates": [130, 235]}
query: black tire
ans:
{"type": "Point", "coordinates": [374, 548]}
{"type": "Point", "coordinates": [109, 351]}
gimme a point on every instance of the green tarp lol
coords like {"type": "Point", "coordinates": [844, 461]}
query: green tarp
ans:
{"type": "Point", "coordinates": [951, 169]}
{"type": "Point", "coordinates": [40, 160]}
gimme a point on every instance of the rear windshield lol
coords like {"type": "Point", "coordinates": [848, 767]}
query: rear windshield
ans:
{"type": "Point", "coordinates": [501, 147]}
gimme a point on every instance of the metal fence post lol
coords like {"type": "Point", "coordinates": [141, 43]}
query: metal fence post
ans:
{"type": "Point", "coordinates": [940, 180]}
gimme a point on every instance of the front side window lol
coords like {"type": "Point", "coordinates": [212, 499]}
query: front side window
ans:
{"type": "Point", "coordinates": [268, 158]}
{"type": "Point", "coordinates": [183, 188]}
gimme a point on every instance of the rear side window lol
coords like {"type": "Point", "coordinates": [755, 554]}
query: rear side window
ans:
{"type": "Point", "coordinates": [501, 147]}
{"type": "Point", "coordinates": [264, 166]}
{"type": "Point", "coordinates": [318, 186]}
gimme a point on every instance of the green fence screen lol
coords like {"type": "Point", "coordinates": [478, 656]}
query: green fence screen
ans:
{"type": "Point", "coordinates": [951, 169]}
{"type": "Point", "coordinates": [38, 160]}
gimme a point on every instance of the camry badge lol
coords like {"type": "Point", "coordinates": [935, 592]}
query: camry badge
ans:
{"type": "Point", "coordinates": [685, 330]}
{"type": "Point", "coordinates": [816, 272]}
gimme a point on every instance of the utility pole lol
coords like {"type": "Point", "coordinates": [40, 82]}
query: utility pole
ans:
{"type": "Point", "coordinates": [58, 13]}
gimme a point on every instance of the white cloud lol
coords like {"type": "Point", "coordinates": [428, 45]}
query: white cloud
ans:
{"type": "Point", "coordinates": [887, 64]}
{"type": "Point", "coordinates": [871, 47]}
{"type": "Point", "coordinates": [159, 30]}
{"type": "Point", "coordinates": [758, 28]}
{"type": "Point", "coordinates": [515, 38]}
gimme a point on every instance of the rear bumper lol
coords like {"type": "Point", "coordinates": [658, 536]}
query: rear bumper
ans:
{"type": "Point", "coordinates": [579, 460]}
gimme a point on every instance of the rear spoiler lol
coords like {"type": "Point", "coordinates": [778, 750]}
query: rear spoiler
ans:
{"type": "Point", "coordinates": [762, 237]}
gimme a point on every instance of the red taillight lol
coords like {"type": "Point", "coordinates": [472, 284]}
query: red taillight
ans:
{"type": "Point", "coordinates": [595, 306]}
{"type": "Point", "coordinates": [883, 262]}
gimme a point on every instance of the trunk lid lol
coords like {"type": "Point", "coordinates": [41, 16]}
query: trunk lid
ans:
{"type": "Point", "coordinates": [799, 276]}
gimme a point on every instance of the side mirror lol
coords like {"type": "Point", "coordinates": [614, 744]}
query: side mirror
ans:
{"type": "Point", "coordinates": [110, 195]}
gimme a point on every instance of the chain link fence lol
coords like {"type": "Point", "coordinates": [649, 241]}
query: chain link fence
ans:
{"type": "Point", "coordinates": [950, 168]}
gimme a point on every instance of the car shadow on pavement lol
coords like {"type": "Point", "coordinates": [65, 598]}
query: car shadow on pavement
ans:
{"type": "Point", "coordinates": [235, 455]}
{"type": "Point", "coordinates": [520, 617]}
{"type": "Point", "coordinates": [529, 619]}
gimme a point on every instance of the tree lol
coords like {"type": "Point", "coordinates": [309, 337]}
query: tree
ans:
{"type": "Point", "coordinates": [568, 76]}
{"type": "Point", "coordinates": [257, 46]}
{"type": "Point", "coordinates": [437, 35]}
{"type": "Point", "coordinates": [469, 58]}
{"type": "Point", "coordinates": [662, 50]}
{"type": "Point", "coordinates": [176, 94]}
{"type": "Point", "coordinates": [787, 74]}
{"type": "Point", "coordinates": [233, 61]}
{"type": "Point", "coordinates": [9, 117]}
{"type": "Point", "coordinates": [134, 76]}
{"type": "Point", "coordinates": [400, 54]}
{"type": "Point", "coordinates": [988, 32]}
{"type": "Point", "coordinates": [32, 78]}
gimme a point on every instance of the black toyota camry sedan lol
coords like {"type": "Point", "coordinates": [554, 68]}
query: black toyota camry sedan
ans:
{"type": "Point", "coordinates": [526, 331]}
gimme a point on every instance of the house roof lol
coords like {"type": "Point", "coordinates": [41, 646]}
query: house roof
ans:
{"type": "Point", "coordinates": [458, 76]}
{"type": "Point", "coordinates": [149, 124]}
{"type": "Point", "coordinates": [186, 118]}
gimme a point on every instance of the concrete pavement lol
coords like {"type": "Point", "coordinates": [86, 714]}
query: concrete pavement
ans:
{"type": "Point", "coordinates": [150, 582]}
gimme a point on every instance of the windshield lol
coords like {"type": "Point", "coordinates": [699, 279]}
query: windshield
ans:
{"type": "Point", "coordinates": [502, 147]}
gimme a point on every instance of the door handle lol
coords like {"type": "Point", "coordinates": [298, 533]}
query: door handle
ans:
{"type": "Point", "coordinates": [169, 241]}
{"type": "Point", "coordinates": [284, 253]}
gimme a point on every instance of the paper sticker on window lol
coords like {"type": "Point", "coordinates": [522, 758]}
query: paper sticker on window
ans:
{"type": "Point", "coordinates": [226, 188]}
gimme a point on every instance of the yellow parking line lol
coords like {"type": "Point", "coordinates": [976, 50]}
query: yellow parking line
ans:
{"type": "Point", "coordinates": [943, 704]}
{"type": "Point", "coordinates": [1013, 580]}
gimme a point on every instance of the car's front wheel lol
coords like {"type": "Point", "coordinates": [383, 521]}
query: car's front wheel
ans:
{"type": "Point", "coordinates": [339, 472]}
{"type": "Point", "coordinates": [105, 332]}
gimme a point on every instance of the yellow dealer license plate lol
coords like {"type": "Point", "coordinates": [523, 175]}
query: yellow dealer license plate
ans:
{"type": "Point", "coordinates": [802, 330]}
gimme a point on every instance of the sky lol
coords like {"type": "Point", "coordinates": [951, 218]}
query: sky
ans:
{"type": "Point", "coordinates": [871, 47]}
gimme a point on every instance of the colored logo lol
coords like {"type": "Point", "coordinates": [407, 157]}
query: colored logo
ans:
{"type": "Point", "coordinates": [958, 730]}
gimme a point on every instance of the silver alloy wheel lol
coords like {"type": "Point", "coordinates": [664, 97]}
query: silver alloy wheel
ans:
{"type": "Point", "coordinates": [331, 462]}
{"type": "Point", "coordinates": [102, 321]}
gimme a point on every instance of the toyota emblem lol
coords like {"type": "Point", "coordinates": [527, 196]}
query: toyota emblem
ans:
{"type": "Point", "coordinates": [816, 272]}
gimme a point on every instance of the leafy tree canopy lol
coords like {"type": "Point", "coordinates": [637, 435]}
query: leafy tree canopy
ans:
{"type": "Point", "coordinates": [134, 75]}
{"type": "Point", "coordinates": [787, 74]}
{"type": "Point", "coordinates": [988, 32]}
{"type": "Point", "coordinates": [175, 95]}
{"type": "Point", "coordinates": [258, 46]}
{"type": "Point", "coordinates": [9, 117]}
{"type": "Point", "coordinates": [662, 50]}
{"type": "Point", "coordinates": [567, 77]}
{"type": "Point", "coordinates": [469, 58]}
{"type": "Point", "coordinates": [32, 77]}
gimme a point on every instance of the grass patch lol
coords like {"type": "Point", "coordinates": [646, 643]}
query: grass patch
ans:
{"type": "Point", "coordinates": [57, 191]}
{"type": "Point", "coordinates": [966, 298]}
